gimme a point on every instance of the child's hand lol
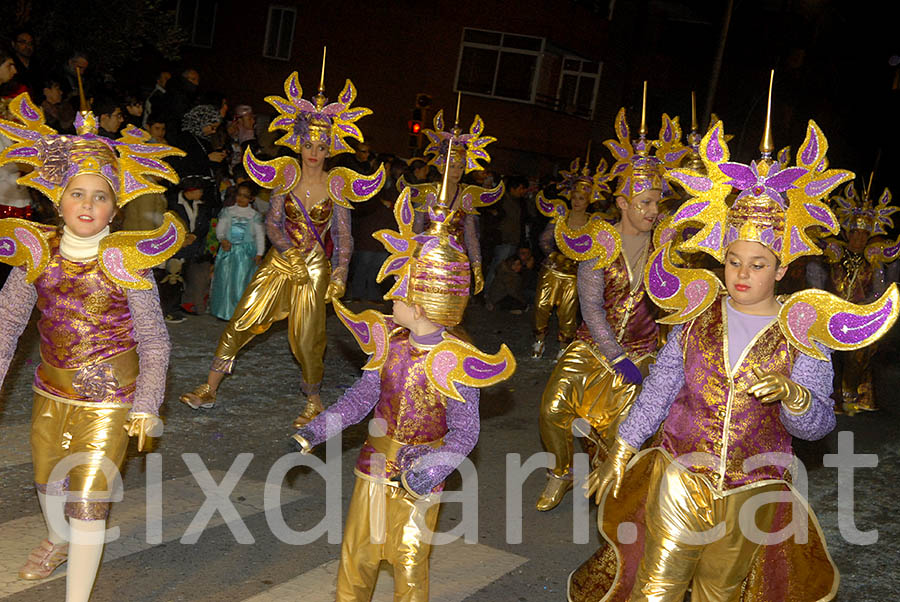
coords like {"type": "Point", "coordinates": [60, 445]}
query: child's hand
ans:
{"type": "Point", "coordinates": [773, 386]}
{"type": "Point", "coordinates": [143, 425]}
{"type": "Point", "coordinates": [189, 238]}
{"type": "Point", "coordinates": [225, 244]}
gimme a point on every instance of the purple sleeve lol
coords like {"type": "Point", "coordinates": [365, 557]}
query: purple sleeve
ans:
{"type": "Point", "coordinates": [816, 376]}
{"type": "Point", "coordinates": [17, 299]}
{"type": "Point", "coordinates": [546, 240]}
{"type": "Point", "coordinates": [426, 467]}
{"type": "Point", "coordinates": [275, 224]}
{"type": "Point", "coordinates": [152, 348]}
{"type": "Point", "coordinates": [343, 242]}
{"type": "Point", "coordinates": [352, 407]}
{"type": "Point", "coordinates": [590, 298]}
{"type": "Point", "coordinates": [659, 391]}
{"type": "Point", "coordinates": [473, 245]}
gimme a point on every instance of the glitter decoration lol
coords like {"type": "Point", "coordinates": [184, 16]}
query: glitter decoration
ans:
{"type": "Point", "coordinates": [126, 256]}
{"type": "Point", "coordinates": [370, 329]}
{"type": "Point", "coordinates": [24, 243]}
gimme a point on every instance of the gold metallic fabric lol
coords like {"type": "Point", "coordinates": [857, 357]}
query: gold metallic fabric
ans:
{"type": "Point", "coordinates": [271, 296]}
{"type": "Point", "coordinates": [125, 367]}
{"type": "Point", "coordinates": [681, 505]}
{"type": "Point", "coordinates": [556, 289]}
{"type": "Point", "coordinates": [406, 543]}
{"type": "Point", "coordinates": [59, 430]}
{"type": "Point", "coordinates": [855, 378]}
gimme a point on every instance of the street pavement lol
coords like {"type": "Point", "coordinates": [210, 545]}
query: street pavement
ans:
{"type": "Point", "coordinates": [214, 513]}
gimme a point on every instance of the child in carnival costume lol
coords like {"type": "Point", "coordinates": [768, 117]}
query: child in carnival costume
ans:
{"type": "Point", "coordinates": [422, 382]}
{"type": "Point", "coordinates": [556, 285]}
{"type": "Point", "coordinates": [459, 210]}
{"type": "Point", "coordinates": [104, 345]}
{"type": "Point", "coordinates": [856, 273]}
{"type": "Point", "coordinates": [597, 376]}
{"type": "Point", "coordinates": [295, 279]}
{"type": "Point", "coordinates": [740, 374]}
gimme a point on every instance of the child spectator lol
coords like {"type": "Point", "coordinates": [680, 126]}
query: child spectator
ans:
{"type": "Point", "coordinates": [189, 204]}
{"type": "Point", "coordinates": [506, 291]}
{"type": "Point", "coordinates": [241, 247]}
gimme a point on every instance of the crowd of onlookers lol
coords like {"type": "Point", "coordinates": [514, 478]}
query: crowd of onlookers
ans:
{"type": "Point", "coordinates": [218, 202]}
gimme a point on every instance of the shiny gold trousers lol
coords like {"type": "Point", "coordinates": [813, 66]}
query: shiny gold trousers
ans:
{"type": "Point", "coordinates": [94, 431]}
{"type": "Point", "coordinates": [407, 527]}
{"type": "Point", "coordinates": [274, 295]}
{"type": "Point", "coordinates": [556, 289]}
{"type": "Point", "coordinates": [583, 385]}
{"type": "Point", "coordinates": [854, 382]}
{"type": "Point", "coordinates": [681, 507]}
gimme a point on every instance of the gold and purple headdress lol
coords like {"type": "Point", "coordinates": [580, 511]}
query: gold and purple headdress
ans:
{"type": "Point", "coordinates": [432, 268]}
{"type": "Point", "coordinates": [468, 147]}
{"type": "Point", "coordinates": [318, 120]}
{"type": "Point", "coordinates": [775, 206]}
{"type": "Point", "coordinates": [596, 183]}
{"type": "Point", "coordinates": [128, 164]}
{"type": "Point", "coordinates": [636, 168]}
{"type": "Point", "coordinates": [855, 213]}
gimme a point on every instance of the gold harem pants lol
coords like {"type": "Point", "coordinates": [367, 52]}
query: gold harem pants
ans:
{"type": "Point", "coordinates": [403, 525]}
{"type": "Point", "coordinates": [93, 437]}
{"type": "Point", "coordinates": [273, 295]}
{"type": "Point", "coordinates": [680, 506]}
{"type": "Point", "coordinates": [560, 290]}
{"type": "Point", "coordinates": [583, 385]}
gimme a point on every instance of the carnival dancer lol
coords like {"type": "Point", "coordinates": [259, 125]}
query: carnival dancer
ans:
{"type": "Point", "coordinates": [104, 345]}
{"type": "Point", "coordinates": [295, 280]}
{"type": "Point", "coordinates": [556, 281]}
{"type": "Point", "coordinates": [618, 337]}
{"type": "Point", "coordinates": [857, 274]}
{"type": "Point", "coordinates": [740, 374]}
{"type": "Point", "coordinates": [422, 382]}
{"type": "Point", "coordinates": [463, 200]}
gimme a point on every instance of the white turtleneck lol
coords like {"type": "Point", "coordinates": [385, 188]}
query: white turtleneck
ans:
{"type": "Point", "coordinates": [79, 249]}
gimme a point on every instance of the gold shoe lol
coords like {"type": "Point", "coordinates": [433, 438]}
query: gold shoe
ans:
{"type": "Point", "coordinates": [202, 397]}
{"type": "Point", "coordinates": [312, 409]}
{"type": "Point", "coordinates": [554, 492]}
{"type": "Point", "coordinates": [43, 560]}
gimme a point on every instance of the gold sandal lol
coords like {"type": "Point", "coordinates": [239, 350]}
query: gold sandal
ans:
{"type": "Point", "coordinates": [43, 560]}
{"type": "Point", "coordinates": [554, 492]}
{"type": "Point", "coordinates": [203, 397]}
{"type": "Point", "coordinates": [311, 410]}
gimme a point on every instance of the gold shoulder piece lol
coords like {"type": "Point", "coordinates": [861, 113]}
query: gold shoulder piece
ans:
{"type": "Point", "coordinates": [370, 330]}
{"type": "Point", "coordinates": [23, 242]}
{"type": "Point", "coordinates": [125, 254]}
{"type": "Point", "coordinates": [813, 315]}
{"type": "Point", "coordinates": [454, 362]}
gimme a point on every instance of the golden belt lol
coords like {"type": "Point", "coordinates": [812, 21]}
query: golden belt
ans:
{"type": "Point", "coordinates": [125, 365]}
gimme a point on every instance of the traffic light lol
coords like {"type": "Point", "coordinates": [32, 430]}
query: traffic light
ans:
{"type": "Point", "coordinates": [415, 127]}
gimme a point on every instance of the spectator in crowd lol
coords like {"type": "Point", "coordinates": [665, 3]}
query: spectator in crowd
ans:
{"type": "Point", "coordinates": [134, 111]}
{"type": "Point", "coordinates": [361, 161]}
{"type": "Point", "coordinates": [68, 77]}
{"type": "Point", "coordinates": [529, 271]}
{"type": "Point", "coordinates": [156, 127]}
{"type": "Point", "coordinates": [109, 117]}
{"type": "Point", "coordinates": [506, 291]}
{"type": "Point", "coordinates": [504, 222]}
{"type": "Point", "coordinates": [180, 97]}
{"type": "Point", "coordinates": [416, 171]}
{"type": "Point", "coordinates": [155, 96]}
{"type": "Point", "coordinates": [197, 129]}
{"type": "Point", "coordinates": [368, 252]}
{"type": "Point", "coordinates": [189, 204]}
{"type": "Point", "coordinates": [27, 72]}
{"type": "Point", "coordinates": [58, 114]}
{"type": "Point", "coordinates": [14, 199]}
{"type": "Point", "coordinates": [242, 243]}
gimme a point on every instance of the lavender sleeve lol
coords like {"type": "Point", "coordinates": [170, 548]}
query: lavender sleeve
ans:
{"type": "Point", "coordinates": [426, 467]}
{"type": "Point", "coordinates": [152, 348]}
{"type": "Point", "coordinates": [275, 224]}
{"type": "Point", "coordinates": [473, 245]}
{"type": "Point", "coordinates": [658, 393]}
{"type": "Point", "coordinates": [816, 376]}
{"type": "Point", "coordinates": [17, 299]}
{"type": "Point", "coordinates": [343, 242]}
{"type": "Point", "coordinates": [353, 406]}
{"type": "Point", "coordinates": [546, 242]}
{"type": "Point", "coordinates": [590, 298]}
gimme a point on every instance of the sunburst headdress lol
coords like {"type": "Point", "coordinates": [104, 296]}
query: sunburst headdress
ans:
{"type": "Point", "coordinates": [316, 120]}
{"type": "Point", "coordinates": [128, 164]}
{"type": "Point", "coordinates": [861, 213]}
{"type": "Point", "coordinates": [431, 268]}
{"type": "Point", "coordinates": [466, 147]}
{"type": "Point", "coordinates": [636, 168]}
